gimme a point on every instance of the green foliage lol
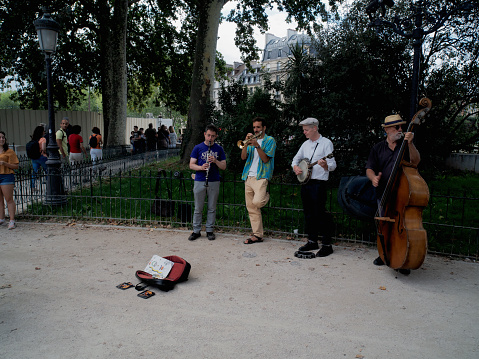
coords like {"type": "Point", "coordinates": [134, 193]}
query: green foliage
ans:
{"type": "Point", "coordinates": [238, 110]}
{"type": "Point", "coordinates": [6, 101]}
{"type": "Point", "coordinates": [77, 64]}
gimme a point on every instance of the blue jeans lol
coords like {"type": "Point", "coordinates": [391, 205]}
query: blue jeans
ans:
{"type": "Point", "coordinates": [36, 164]}
{"type": "Point", "coordinates": [200, 191]}
{"type": "Point", "coordinates": [317, 220]}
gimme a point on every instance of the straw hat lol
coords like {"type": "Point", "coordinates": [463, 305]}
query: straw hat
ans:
{"type": "Point", "coordinates": [393, 120]}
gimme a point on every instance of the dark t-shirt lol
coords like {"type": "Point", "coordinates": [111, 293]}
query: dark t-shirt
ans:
{"type": "Point", "coordinates": [150, 135]}
{"type": "Point", "coordinates": [381, 159]}
{"type": "Point", "coordinates": [200, 153]}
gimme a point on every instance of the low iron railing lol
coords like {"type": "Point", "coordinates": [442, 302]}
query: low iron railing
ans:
{"type": "Point", "coordinates": [122, 193]}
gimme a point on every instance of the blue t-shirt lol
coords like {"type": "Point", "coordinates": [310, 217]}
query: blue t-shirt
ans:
{"type": "Point", "coordinates": [200, 152]}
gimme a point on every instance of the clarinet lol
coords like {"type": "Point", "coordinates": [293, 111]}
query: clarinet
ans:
{"type": "Point", "coordinates": [209, 164]}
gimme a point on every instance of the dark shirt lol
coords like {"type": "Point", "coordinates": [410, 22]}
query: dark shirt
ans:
{"type": "Point", "coordinates": [150, 135]}
{"type": "Point", "coordinates": [381, 159]}
{"type": "Point", "coordinates": [200, 153]}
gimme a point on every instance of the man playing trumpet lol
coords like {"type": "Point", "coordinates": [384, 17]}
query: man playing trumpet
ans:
{"type": "Point", "coordinates": [258, 151]}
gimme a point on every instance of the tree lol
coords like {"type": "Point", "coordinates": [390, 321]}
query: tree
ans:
{"type": "Point", "coordinates": [361, 76]}
{"type": "Point", "coordinates": [92, 53]}
{"type": "Point", "coordinates": [246, 15]}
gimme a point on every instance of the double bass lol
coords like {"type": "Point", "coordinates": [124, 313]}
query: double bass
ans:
{"type": "Point", "coordinates": [401, 237]}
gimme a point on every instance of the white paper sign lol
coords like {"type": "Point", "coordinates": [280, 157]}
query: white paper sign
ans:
{"type": "Point", "coordinates": [159, 267]}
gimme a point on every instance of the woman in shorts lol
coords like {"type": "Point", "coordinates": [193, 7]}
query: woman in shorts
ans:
{"type": "Point", "coordinates": [8, 163]}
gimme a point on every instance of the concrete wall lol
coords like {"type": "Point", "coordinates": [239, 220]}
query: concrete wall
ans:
{"type": "Point", "coordinates": [464, 161]}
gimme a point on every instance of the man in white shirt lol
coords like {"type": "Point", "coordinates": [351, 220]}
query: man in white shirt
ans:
{"type": "Point", "coordinates": [313, 192]}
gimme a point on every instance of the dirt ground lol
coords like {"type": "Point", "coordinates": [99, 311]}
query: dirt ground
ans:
{"type": "Point", "coordinates": [58, 299]}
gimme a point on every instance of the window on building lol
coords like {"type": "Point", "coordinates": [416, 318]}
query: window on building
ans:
{"type": "Point", "coordinates": [267, 68]}
{"type": "Point", "coordinates": [279, 53]}
{"type": "Point", "coordinates": [278, 66]}
{"type": "Point", "coordinates": [269, 55]}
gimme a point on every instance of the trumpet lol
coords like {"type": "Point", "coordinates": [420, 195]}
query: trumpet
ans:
{"type": "Point", "coordinates": [242, 143]}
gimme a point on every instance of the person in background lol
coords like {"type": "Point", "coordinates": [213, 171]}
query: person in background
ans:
{"type": "Point", "coordinates": [76, 145]}
{"type": "Point", "coordinates": [39, 137]}
{"type": "Point", "coordinates": [62, 140]}
{"type": "Point", "coordinates": [163, 137]}
{"type": "Point", "coordinates": [151, 138]}
{"type": "Point", "coordinates": [142, 141]}
{"type": "Point", "coordinates": [134, 140]}
{"type": "Point", "coordinates": [96, 153]}
{"type": "Point", "coordinates": [8, 163]}
{"type": "Point", "coordinates": [173, 137]}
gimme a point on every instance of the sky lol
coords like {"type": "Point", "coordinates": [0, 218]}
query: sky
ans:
{"type": "Point", "coordinates": [226, 32]}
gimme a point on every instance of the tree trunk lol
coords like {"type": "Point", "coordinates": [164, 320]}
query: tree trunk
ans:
{"type": "Point", "coordinates": [114, 80]}
{"type": "Point", "coordinates": [203, 74]}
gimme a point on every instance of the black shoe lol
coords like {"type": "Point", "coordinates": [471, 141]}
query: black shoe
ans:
{"type": "Point", "coordinates": [404, 271]}
{"type": "Point", "coordinates": [325, 251]}
{"type": "Point", "coordinates": [309, 246]}
{"type": "Point", "coordinates": [378, 262]}
{"type": "Point", "coordinates": [194, 236]}
{"type": "Point", "coordinates": [211, 236]}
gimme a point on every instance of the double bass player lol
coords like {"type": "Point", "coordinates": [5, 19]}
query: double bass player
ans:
{"type": "Point", "coordinates": [382, 158]}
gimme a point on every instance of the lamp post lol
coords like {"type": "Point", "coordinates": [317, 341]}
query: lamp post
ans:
{"type": "Point", "coordinates": [47, 30]}
{"type": "Point", "coordinates": [424, 23]}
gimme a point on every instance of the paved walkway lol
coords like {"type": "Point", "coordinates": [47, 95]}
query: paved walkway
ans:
{"type": "Point", "coordinates": [58, 299]}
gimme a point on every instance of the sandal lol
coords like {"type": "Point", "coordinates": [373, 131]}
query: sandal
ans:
{"type": "Point", "coordinates": [251, 241]}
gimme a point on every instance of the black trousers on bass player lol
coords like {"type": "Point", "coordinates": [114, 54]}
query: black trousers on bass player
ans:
{"type": "Point", "coordinates": [317, 221]}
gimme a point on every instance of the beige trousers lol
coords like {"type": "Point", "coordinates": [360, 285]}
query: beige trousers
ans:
{"type": "Point", "coordinates": [256, 198]}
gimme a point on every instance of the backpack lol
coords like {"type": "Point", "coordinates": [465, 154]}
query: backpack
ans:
{"type": "Point", "coordinates": [93, 141]}
{"type": "Point", "coordinates": [357, 197]}
{"type": "Point", "coordinates": [33, 150]}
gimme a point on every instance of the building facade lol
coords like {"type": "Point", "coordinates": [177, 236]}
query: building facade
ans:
{"type": "Point", "coordinates": [274, 58]}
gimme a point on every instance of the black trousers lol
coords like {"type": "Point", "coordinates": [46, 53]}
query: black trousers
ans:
{"type": "Point", "coordinates": [317, 221]}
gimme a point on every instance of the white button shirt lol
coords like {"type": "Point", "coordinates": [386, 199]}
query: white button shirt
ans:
{"type": "Point", "coordinates": [325, 147]}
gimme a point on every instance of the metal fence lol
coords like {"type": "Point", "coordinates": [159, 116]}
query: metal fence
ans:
{"type": "Point", "coordinates": [123, 191]}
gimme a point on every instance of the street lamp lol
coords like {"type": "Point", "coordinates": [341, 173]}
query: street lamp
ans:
{"type": "Point", "coordinates": [47, 30]}
{"type": "Point", "coordinates": [424, 23]}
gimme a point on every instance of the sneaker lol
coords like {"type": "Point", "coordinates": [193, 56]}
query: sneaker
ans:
{"type": "Point", "coordinates": [12, 225]}
{"type": "Point", "coordinates": [211, 236]}
{"type": "Point", "coordinates": [325, 251]}
{"type": "Point", "coordinates": [309, 246]}
{"type": "Point", "coordinates": [194, 236]}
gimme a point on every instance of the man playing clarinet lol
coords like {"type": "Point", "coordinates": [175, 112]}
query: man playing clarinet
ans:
{"type": "Point", "coordinates": [207, 158]}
